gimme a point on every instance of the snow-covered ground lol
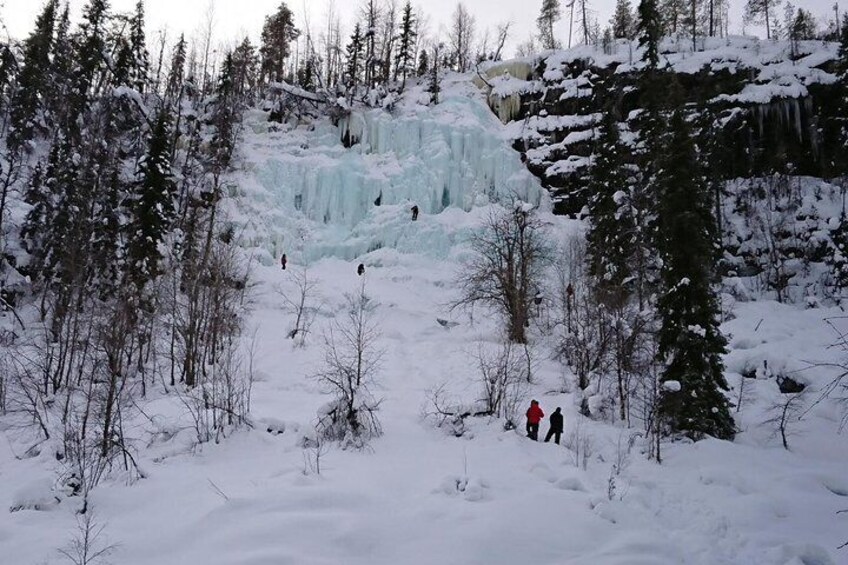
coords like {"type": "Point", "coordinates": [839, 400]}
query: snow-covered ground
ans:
{"type": "Point", "coordinates": [419, 495]}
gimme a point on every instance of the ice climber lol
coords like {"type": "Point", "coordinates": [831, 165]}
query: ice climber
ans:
{"type": "Point", "coordinates": [556, 426]}
{"type": "Point", "coordinates": [534, 416]}
{"type": "Point", "coordinates": [360, 270]}
{"type": "Point", "coordinates": [283, 261]}
{"type": "Point", "coordinates": [415, 213]}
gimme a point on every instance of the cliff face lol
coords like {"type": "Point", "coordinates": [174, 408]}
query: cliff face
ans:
{"type": "Point", "coordinates": [773, 100]}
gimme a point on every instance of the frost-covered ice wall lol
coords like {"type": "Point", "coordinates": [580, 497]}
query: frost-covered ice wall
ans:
{"type": "Point", "coordinates": [452, 155]}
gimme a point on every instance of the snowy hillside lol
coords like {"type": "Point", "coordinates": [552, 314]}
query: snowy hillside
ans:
{"type": "Point", "coordinates": [268, 495]}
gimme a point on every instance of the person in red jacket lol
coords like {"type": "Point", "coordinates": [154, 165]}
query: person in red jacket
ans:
{"type": "Point", "coordinates": [534, 416]}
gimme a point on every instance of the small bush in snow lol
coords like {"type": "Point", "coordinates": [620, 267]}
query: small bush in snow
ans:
{"type": "Point", "coordinates": [351, 361]}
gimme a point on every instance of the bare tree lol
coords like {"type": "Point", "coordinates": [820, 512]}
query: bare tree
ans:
{"type": "Point", "coordinates": [351, 362]}
{"type": "Point", "coordinates": [584, 334]}
{"type": "Point", "coordinates": [300, 298]}
{"type": "Point", "coordinates": [462, 37]}
{"type": "Point", "coordinates": [88, 546]}
{"type": "Point", "coordinates": [507, 269]}
{"type": "Point", "coordinates": [501, 38]}
{"type": "Point", "coordinates": [784, 414]}
{"type": "Point", "coordinates": [503, 379]}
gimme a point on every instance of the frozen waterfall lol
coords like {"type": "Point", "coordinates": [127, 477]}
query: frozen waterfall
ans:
{"type": "Point", "coordinates": [313, 193]}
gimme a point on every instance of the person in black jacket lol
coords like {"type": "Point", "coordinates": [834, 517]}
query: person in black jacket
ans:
{"type": "Point", "coordinates": [556, 426]}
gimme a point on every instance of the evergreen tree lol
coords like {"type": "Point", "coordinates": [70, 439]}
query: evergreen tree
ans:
{"type": "Point", "coordinates": [690, 341]}
{"type": "Point", "coordinates": [803, 26]}
{"type": "Point", "coordinates": [245, 65]}
{"type": "Point", "coordinates": [354, 58]}
{"type": "Point", "coordinates": [277, 34]}
{"type": "Point", "coordinates": [673, 16]}
{"type": "Point", "coordinates": [176, 73]}
{"type": "Point", "coordinates": [434, 87]}
{"type": "Point", "coordinates": [405, 56]}
{"type": "Point", "coordinates": [765, 12]}
{"type": "Point", "coordinates": [225, 113]}
{"type": "Point", "coordinates": [61, 72]}
{"type": "Point", "coordinates": [150, 207]}
{"type": "Point", "coordinates": [610, 235]}
{"type": "Point", "coordinates": [423, 63]}
{"type": "Point", "coordinates": [650, 32]}
{"type": "Point", "coordinates": [140, 66]}
{"type": "Point", "coordinates": [26, 104]}
{"type": "Point", "coordinates": [548, 16]}
{"type": "Point", "coordinates": [44, 233]}
{"type": "Point", "coordinates": [622, 20]}
{"type": "Point", "coordinates": [91, 44]}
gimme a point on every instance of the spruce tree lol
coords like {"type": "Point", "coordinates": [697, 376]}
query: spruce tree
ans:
{"type": "Point", "coordinates": [138, 47]}
{"type": "Point", "coordinates": [61, 72]}
{"type": "Point", "coordinates": [150, 207]}
{"type": "Point", "coordinates": [650, 124]}
{"type": "Point", "coordinates": [610, 235]}
{"type": "Point", "coordinates": [225, 113]}
{"type": "Point", "coordinates": [548, 16]}
{"type": "Point", "coordinates": [245, 65]}
{"type": "Point", "coordinates": [176, 73]}
{"type": "Point", "coordinates": [91, 45]}
{"type": "Point", "coordinates": [423, 63]}
{"type": "Point", "coordinates": [354, 58]}
{"type": "Point", "coordinates": [44, 233]}
{"type": "Point", "coordinates": [26, 105]}
{"type": "Point", "coordinates": [650, 29]}
{"type": "Point", "coordinates": [434, 86]}
{"type": "Point", "coordinates": [689, 339]}
{"type": "Point", "coordinates": [405, 57]}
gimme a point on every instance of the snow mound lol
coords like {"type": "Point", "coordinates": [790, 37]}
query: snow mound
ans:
{"type": "Point", "coordinates": [471, 489]}
{"type": "Point", "coordinates": [36, 495]}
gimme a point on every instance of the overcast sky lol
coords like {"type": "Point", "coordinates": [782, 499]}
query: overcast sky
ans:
{"type": "Point", "coordinates": [235, 18]}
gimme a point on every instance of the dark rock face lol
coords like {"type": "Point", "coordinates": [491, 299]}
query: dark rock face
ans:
{"type": "Point", "coordinates": [789, 385]}
{"type": "Point", "coordinates": [776, 112]}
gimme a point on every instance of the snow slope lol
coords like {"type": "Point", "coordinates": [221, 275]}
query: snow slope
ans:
{"type": "Point", "coordinates": [419, 495]}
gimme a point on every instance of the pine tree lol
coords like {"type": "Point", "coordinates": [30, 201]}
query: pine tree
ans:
{"type": "Point", "coordinates": [548, 16]}
{"type": "Point", "coordinates": [277, 34]}
{"type": "Point", "coordinates": [610, 235]}
{"type": "Point", "coordinates": [26, 105]}
{"type": "Point", "coordinates": [150, 207]}
{"type": "Point", "coordinates": [622, 20]}
{"type": "Point", "coordinates": [673, 16]}
{"type": "Point", "coordinates": [803, 26]}
{"type": "Point", "coordinates": [405, 57]}
{"type": "Point", "coordinates": [765, 12]}
{"type": "Point", "coordinates": [690, 341]}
